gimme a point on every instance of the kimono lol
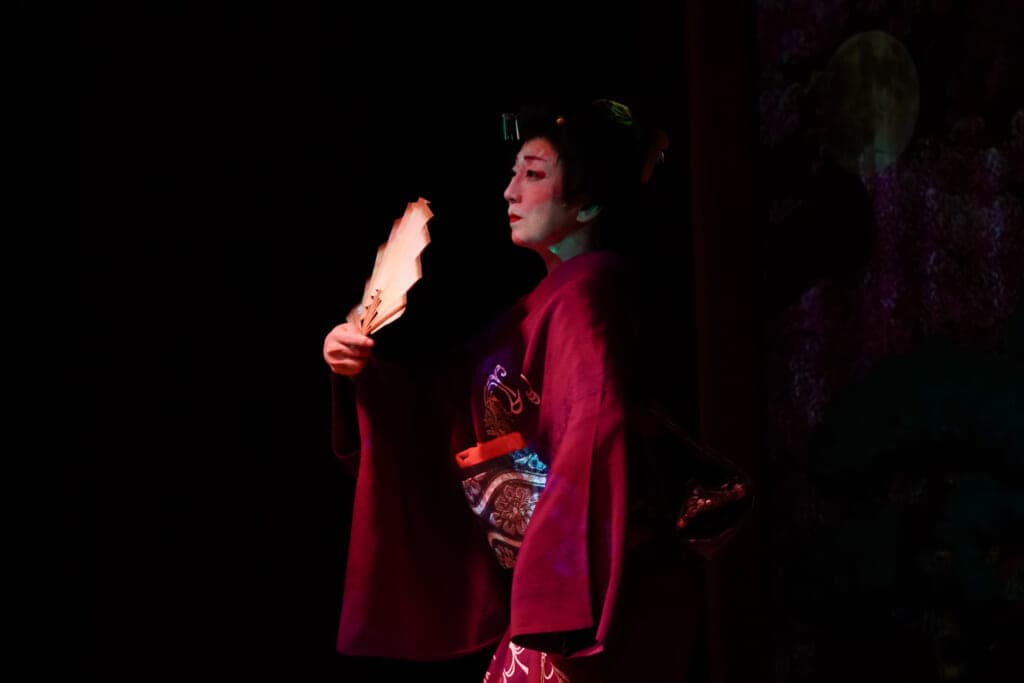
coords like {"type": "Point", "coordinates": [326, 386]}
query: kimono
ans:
{"type": "Point", "coordinates": [544, 558]}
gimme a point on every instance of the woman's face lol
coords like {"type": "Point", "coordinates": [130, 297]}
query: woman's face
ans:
{"type": "Point", "coordinates": [538, 216]}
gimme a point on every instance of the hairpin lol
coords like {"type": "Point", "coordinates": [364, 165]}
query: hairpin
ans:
{"type": "Point", "coordinates": [509, 127]}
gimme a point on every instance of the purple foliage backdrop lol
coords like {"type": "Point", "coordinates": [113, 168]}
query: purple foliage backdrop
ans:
{"type": "Point", "coordinates": [890, 300]}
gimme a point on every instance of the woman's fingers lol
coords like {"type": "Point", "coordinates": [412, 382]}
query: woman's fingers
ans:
{"type": "Point", "coordinates": [346, 350]}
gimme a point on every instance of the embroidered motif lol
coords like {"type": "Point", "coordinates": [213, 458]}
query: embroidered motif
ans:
{"type": "Point", "coordinates": [553, 672]}
{"type": "Point", "coordinates": [514, 668]}
{"type": "Point", "coordinates": [503, 400]}
{"type": "Point", "coordinates": [513, 663]}
{"type": "Point", "coordinates": [512, 509]}
{"type": "Point", "coordinates": [503, 493]}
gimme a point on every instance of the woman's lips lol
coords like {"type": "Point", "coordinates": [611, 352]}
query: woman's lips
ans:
{"type": "Point", "coordinates": [512, 218]}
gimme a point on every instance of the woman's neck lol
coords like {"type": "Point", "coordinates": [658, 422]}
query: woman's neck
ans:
{"type": "Point", "coordinates": [577, 242]}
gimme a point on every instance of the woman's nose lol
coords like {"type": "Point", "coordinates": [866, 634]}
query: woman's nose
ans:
{"type": "Point", "coordinates": [511, 193]}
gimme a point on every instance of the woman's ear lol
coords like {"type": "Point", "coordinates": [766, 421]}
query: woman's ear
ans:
{"type": "Point", "coordinates": [587, 213]}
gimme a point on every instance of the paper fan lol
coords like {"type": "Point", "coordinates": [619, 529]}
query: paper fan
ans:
{"type": "Point", "coordinates": [396, 269]}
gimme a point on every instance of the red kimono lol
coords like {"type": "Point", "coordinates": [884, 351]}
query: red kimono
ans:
{"type": "Point", "coordinates": [552, 564]}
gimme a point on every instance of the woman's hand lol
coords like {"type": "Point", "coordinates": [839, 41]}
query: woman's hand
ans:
{"type": "Point", "coordinates": [346, 350]}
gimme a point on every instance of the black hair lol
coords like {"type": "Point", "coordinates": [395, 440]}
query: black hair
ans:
{"type": "Point", "coordinates": [606, 154]}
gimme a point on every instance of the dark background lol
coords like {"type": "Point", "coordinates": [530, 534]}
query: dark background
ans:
{"type": "Point", "coordinates": [860, 336]}
{"type": "Point", "coordinates": [240, 165]}
{"type": "Point", "coordinates": [890, 346]}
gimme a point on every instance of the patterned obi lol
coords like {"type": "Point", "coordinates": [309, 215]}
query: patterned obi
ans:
{"type": "Point", "coordinates": [503, 479]}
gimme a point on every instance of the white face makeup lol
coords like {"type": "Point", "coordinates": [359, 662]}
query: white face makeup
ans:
{"type": "Point", "coordinates": [538, 216]}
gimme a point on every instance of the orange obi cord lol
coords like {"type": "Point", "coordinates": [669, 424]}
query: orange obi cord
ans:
{"type": "Point", "coordinates": [487, 450]}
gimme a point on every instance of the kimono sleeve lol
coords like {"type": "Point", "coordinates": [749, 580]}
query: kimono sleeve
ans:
{"type": "Point", "coordinates": [420, 582]}
{"type": "Point", "coordinates": [568, 571]}
{"type": "Point", "coordinates": [345, 440]}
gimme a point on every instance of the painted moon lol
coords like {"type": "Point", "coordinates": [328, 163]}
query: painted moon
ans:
{"type": "Point", "coordinates": [869, 97]}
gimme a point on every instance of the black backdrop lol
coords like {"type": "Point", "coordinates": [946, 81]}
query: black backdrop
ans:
{"type": "Point", "coordinates": [239, 165]}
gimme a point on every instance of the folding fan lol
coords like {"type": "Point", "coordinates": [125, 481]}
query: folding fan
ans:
{"type": "Point", "coordinates": [396, 269]}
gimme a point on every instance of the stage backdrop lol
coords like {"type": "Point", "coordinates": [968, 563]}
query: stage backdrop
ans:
{"type": "Point", "coordinates": [888, 176]}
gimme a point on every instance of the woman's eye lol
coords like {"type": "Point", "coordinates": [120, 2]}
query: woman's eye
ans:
{"type": "Point", "coordinates": [529, 173]}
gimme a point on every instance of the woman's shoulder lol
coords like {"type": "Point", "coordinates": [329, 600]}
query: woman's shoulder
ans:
{"type": "Point", "coordinates": [594, 286]}
{"type": "Point", "coordinates": [586, 275]}
{"type": "Point", "coordinates": [596, 265]}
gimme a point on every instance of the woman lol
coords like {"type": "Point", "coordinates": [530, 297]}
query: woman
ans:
{"type": "Point", "coordinates": [546, 555]}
